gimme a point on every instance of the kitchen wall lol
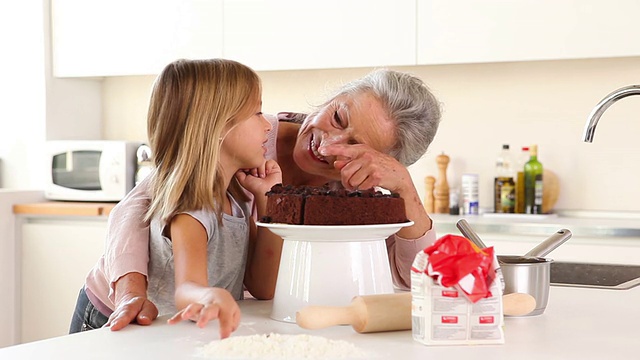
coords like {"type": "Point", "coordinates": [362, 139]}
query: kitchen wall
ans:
{"type": "Point", "coordinates": [35, 106]}
{"type": "Point", "coordinates": [485, 105]}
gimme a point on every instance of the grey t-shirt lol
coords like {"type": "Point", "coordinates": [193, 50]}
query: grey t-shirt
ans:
{"type": "Point", "coordinates": [227, 248]}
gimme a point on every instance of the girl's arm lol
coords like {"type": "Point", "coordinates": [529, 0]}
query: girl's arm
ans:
{"type": "Point", "coordinates": [194, 299]}
{"type": "Point", "coordinates": [263, 259]}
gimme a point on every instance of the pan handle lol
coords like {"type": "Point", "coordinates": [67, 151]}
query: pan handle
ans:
{"type": "Point", "coordinates": [468, 232]}
{"type": "Point", "coordinates": [550, 244]}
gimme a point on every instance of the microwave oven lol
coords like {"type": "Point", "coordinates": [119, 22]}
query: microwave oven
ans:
{"type": "Point", "coordinates": [90, 170]}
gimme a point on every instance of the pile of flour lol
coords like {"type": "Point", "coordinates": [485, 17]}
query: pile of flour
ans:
{"type": "Point", "coordinates": [279, 346]}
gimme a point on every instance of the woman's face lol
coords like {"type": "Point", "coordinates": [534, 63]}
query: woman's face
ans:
{"type": "Point", "coordinates": [346, 119]}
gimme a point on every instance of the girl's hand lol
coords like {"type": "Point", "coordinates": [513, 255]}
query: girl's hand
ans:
{"type": "Point", "coordinates": [260, 180]}
{"type": "Point", "coordinates": [362, 167]}
{"type": "Point", "coordinates": [218, 304]}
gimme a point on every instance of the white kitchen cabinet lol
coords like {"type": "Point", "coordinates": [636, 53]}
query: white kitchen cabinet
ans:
{"type": "Point", "coordinates": [122, 37]}
{"type": "Point", "coordinates": [93, 38]}
{"type": "Point", "coordinates": [470, 31]}
{"type": "Point", "coordinates": [292, 34]}
{"type": "Point", "coordinates": [56, 257]}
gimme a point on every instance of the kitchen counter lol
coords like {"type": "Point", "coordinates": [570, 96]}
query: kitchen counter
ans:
{"type": "Point", "coordinates": [581, 223]}
{"type": "Point", "coordinates": [578, 323]}
{"type": "Point", "coordinates": [64, 208]}
{"type": "Point", "coordinates": [597, 237]}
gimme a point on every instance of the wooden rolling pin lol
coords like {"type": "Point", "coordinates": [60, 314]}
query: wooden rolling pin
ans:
{"type": "Point", "coordinates": [367, 313]}
{"type": "Point", "coordinates": [388, 312]}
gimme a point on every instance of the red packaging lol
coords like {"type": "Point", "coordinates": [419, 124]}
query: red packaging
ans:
{"type": "Point", "coordinates": [456, 294]}
{"type": "Point", "coordinates": [454, 261]}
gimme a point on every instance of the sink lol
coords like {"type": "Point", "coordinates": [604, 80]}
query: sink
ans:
{"type": "Point", "coordinates": [591, 275]}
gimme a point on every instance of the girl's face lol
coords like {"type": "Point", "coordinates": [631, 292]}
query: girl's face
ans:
{"type": "Point", "coordinates": [347, 119]}
{"type": "Point", "coordinates": [244, 145]}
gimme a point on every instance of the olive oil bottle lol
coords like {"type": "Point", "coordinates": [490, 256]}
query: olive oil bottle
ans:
{"type": "Point", "coordinates": [533, 183]}
{"type": "Point", "coordinates": [521, 159]}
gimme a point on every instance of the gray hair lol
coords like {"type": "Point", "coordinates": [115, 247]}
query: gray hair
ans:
{"type": "Point", "coordinates": [409, 103]}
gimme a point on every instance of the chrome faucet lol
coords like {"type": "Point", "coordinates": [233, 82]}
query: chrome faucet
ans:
{"type": "Point", "coordinates": [596, 113]}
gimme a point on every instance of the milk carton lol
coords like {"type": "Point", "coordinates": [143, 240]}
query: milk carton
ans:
{"type": "Point", "coordinates": [444, 315]}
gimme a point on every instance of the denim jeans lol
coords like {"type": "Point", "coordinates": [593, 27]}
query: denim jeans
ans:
{"type": "Point", "coordinates": [86, 316]}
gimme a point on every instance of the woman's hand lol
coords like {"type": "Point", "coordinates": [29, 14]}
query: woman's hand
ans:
{"type": "Point", "coordinates": [260, 180]}
{"type": "Point", "coordinates": [131, 302]}
{"type": "Point", "coordinates": [362, 167]}
{"type": "Point", "coordinates": [217, 304]}
{"type": "Point", "coordinates": [137, 308]}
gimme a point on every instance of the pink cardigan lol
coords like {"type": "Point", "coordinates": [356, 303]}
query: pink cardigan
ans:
{"type": "Point", "coordinates": [127, 245]}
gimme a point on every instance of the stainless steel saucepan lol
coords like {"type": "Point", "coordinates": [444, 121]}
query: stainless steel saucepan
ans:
{"type": "Point", "coordinates": [530, 273]}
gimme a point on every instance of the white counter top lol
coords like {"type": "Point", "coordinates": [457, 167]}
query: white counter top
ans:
{"type": "Point", "coordinates": [598, 237]}
{"type": "Point", "coordinates": [579, 323]}
{"type": "Point", "coordinates": [581, 224]}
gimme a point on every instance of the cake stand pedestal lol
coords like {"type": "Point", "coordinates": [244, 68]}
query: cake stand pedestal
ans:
{"type": "Point", "coordinates": [329, 265]}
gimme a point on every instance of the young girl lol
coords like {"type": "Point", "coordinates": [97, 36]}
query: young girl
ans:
{"type": "Point", "coordinates": [205, 126]}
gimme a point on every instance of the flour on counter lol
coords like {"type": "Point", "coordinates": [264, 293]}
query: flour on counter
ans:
{"type": "Point", "coordinates": [278, 346]}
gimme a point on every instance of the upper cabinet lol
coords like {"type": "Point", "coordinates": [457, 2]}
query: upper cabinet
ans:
{"type": "Point", "coordinates": [469, 31]}
{"type": "Point", "coordinates": [124, 37]}
{"type": "Point", "coordinates": [294, 34]}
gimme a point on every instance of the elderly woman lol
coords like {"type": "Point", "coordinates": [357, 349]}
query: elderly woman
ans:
{"type": "Point", "coordinates": [364, 136]}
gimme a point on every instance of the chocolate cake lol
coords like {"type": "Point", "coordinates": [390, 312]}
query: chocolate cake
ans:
{"type": "Point", "coordinates": [313, 205]}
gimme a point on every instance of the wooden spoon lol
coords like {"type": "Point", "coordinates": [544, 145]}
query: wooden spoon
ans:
{"type": "Point", "coordinates": [518, 304]}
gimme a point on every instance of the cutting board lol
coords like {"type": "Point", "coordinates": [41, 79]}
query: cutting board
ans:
{"type": "Point", "coordinates": [550, 190]}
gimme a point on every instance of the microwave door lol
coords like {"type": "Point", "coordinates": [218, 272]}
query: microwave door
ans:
{"type": "Point", "coordinates": [78, 170]}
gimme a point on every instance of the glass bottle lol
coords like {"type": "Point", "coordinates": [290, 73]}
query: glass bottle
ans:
{"type": "Point", "coordinates": [504, 184]}
{"type": "Point", "coordinates": [521, 159]}
{"type": "Point", "coordinates": [533, 183]}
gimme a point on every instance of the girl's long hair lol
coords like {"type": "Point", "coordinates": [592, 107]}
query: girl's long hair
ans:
{"type": "Point", "coordinates": [194, 104]}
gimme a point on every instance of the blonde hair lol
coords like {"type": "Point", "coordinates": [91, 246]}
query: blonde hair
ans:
{"type": "Point", "coordinates": [194, 104]}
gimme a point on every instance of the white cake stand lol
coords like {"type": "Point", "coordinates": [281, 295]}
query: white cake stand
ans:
{"type": "Point", "coordinates": [329, 265]}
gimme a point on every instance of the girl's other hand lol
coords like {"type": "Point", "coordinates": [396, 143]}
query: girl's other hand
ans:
{"type": "Point", "coordinates": [218, 304]}
{"type": "Point", "coordinates": [260, 180]}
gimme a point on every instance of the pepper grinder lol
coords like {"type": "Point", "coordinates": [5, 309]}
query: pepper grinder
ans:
{"type": "Point", "coordinates": [429, 200]}
{"type": "Point", "coordinates": [441, 191]}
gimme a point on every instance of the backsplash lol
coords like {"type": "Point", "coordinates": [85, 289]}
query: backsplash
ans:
{"type": "Point", "coordinates": [484, 106]}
